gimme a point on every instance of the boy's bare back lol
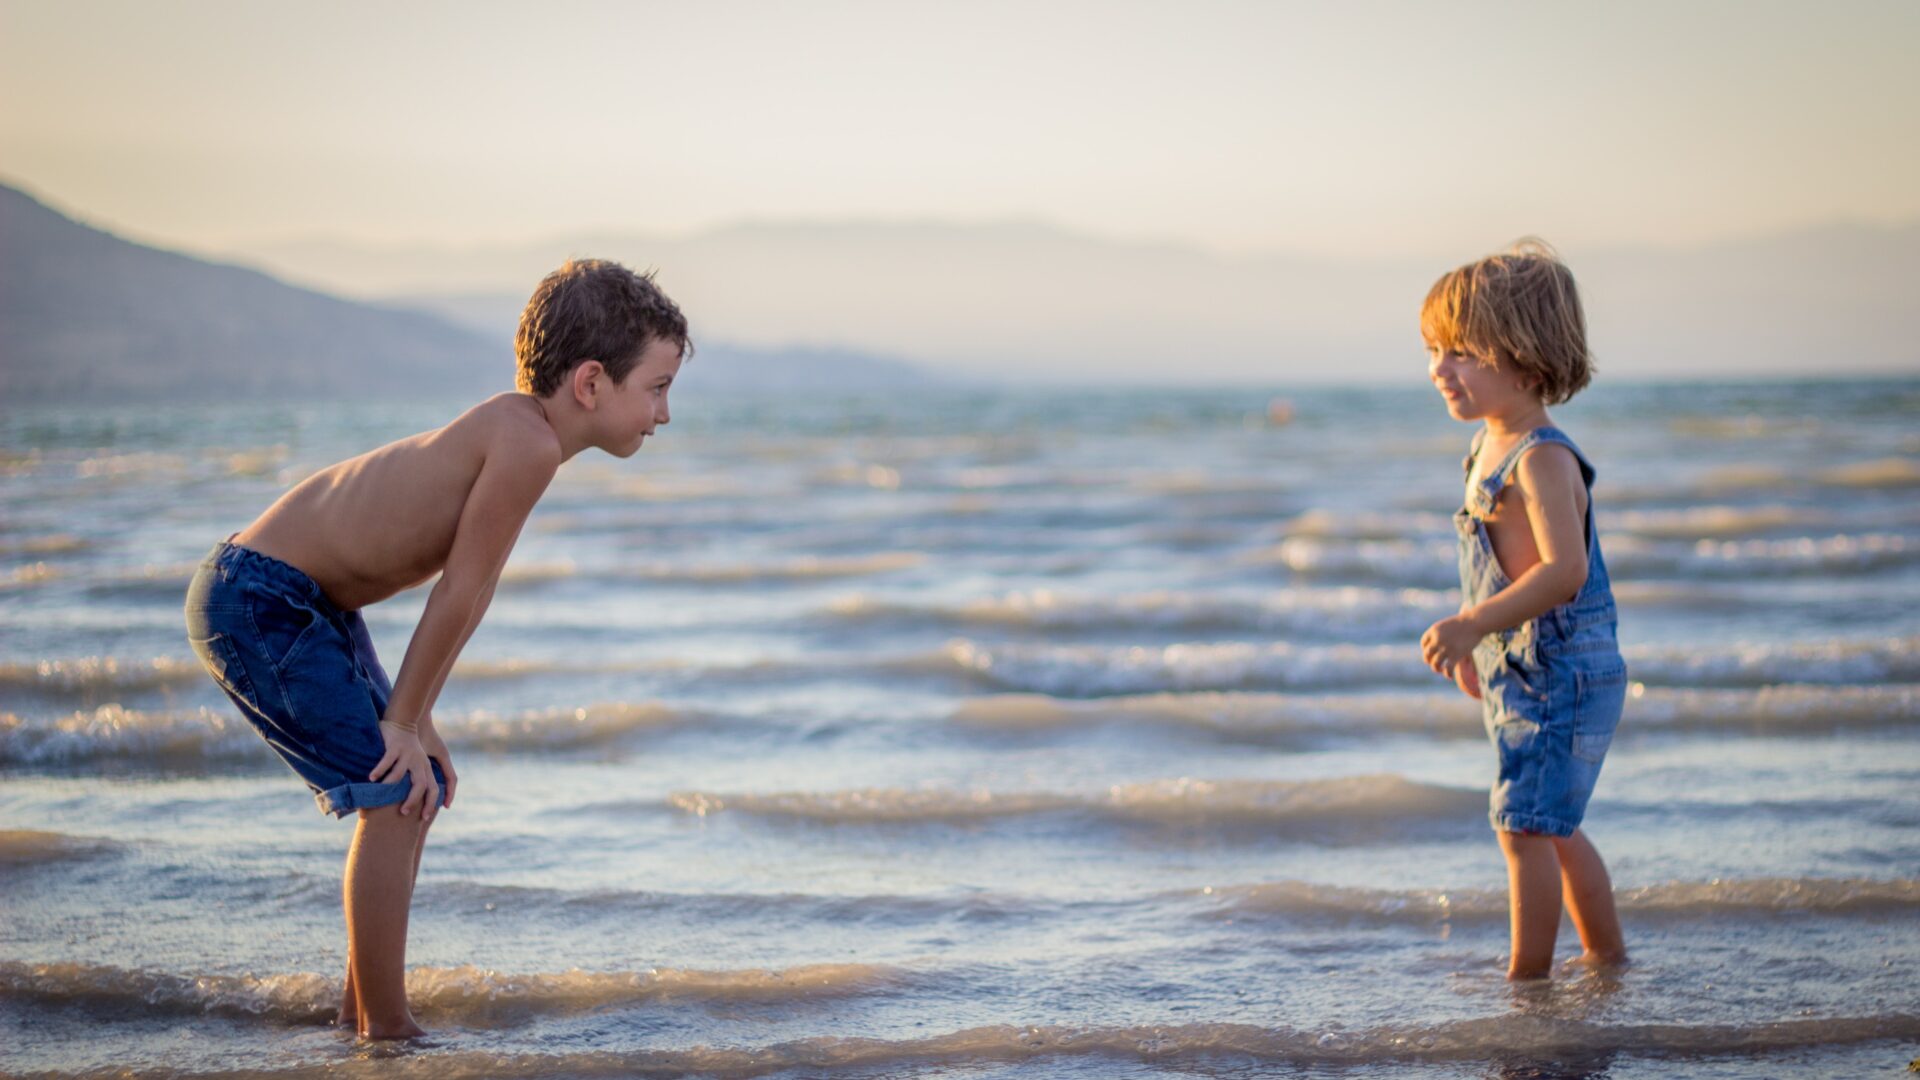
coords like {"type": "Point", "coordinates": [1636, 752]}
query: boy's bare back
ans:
{"type": "Point", "coordinates": [386, 521]}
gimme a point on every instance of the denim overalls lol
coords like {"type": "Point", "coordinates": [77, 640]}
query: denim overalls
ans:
{"type": "Point", "coordinates": [1553, 687]}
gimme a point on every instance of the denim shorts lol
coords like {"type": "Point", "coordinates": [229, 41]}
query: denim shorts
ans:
{"type": "Point", "coordinates": [302, 671]}
{"type": "Point", "coordinates": [1551, 718]}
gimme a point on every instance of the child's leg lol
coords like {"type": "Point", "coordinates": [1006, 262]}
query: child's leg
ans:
{"type": "Point", "coordinates": [1533, 893]}
{"type": "Point", "coordinates": [1589, 896]}
{"type": "Point", "coordinates": [379, 890]}
{"type": "Point", "coordinates": [349, 1000]}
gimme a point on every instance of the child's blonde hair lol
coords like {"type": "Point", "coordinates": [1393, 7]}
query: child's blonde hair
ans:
{"type": "Point", "coordinates": [1519, 310]}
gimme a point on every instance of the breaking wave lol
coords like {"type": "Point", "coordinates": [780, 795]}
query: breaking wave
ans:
{"type": "Point", "coordinates": [459, 994]}
{"type": "Point", "coordinates": [1181, 801]}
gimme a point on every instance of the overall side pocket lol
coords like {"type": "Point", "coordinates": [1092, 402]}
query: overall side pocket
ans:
{"type": "Point", "coordinates": [1600, 696]}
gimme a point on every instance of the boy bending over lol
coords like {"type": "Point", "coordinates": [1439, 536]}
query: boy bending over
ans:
{"type": "Point", "coordinates": [274, 612]}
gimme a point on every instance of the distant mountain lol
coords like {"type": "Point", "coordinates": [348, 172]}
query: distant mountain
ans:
{"type": "Point", "coordinates": [85, 314]}
{"type": "Point", "coordinates": [1023, 301]}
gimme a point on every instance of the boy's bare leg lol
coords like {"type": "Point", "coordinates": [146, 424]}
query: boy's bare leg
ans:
{"type": "Point", "coordinates": [379, 891]}
{"type": "Point", "coordinates": [1588, 891]}
{"type": "Point", "coordinates": [349, 1001]}
{"type": "Point", "coordinates": [1533, 896]}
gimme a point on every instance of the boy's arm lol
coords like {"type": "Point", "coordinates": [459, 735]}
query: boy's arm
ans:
{"type": "Point", "coordinates": [511, 480]}
{"type": "Point", "coordinates": [430, 739]}
{"type": "Point", "coordinates": [1547, 484]}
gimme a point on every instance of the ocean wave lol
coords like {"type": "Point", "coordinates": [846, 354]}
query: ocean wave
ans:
{"type": "Point", "coordinates": [1091, 671]}
{"type": "Point", "coordinates": [1179, 801]}
{"type": "Point", "coordinates": [1509, 1035]}
{"type": "Point", "coordinates": [1701, 899]}
{"type": "Point", "coordinates": [459, 994]}
{"type": "Point", "coordinates": [93, 674]}
{"type": "Point", "coordinates": [1827, 662]}
{"type": "Point", "coordinates": [1352, 610]}
{"type": "Point", "coordinates": [1892, 472]}
{"type": "Point", "coordinates": [203, 734]}
{"type": "Point", "coordinates": [1628, 556]}
{"type": "Point", "coordinates": [1430, 563]}
{"type": "Point", "coordinates": [1367, 525]}
{"type": "Point", "coordinates": [48, 544]}
{"type": "Point", "coordinates": [1096, 671]}
{"type": "Point", "coordinates": [805, 568]}
{"type": "Point", "coordinates": [1703, 522]}
{"type": "Point", "coordinates": [1252, 715]}
{"type": "Point", "coordinates": [19, 847]}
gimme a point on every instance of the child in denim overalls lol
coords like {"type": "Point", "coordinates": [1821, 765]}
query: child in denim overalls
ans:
{"type": "Point", "coordinates": [1534, 639]}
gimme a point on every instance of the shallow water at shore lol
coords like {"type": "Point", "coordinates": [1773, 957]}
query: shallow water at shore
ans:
{"type": "Point", "coordinates": [987, 734]}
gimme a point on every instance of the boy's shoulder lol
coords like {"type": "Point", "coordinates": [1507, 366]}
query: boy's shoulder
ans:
{"type": "Point", "coordinates": [512, 424]}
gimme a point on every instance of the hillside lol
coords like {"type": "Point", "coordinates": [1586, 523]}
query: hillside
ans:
{"type": "Point", "coordinates": [84, 313]}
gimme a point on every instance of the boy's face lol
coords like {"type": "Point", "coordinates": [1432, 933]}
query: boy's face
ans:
{"type": "Point", "coordinates": [1475, 389]}
{"type": "Point", "coordinates": [639, 402]}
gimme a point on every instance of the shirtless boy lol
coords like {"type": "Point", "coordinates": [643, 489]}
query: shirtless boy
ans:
{"type": "Point", "coordinates": [274, 612]}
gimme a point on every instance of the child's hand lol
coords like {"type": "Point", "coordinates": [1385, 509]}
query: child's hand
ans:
{"type": "Point", "coordinates": [436, 749]}
{"type": "Point", "coordinates": [1465, 676]}
{"type": "Point", "coordinates": [406, 759]}
{"type": "Point", "coordinates": [1448, 643]}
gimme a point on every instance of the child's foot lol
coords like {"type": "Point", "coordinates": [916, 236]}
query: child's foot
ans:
{"type": "Point", "coordinates": [1594, 961]}
{"type": "Point", "coordinates": [404, 1028]}
{"type": "Point", "coordinates": [1516, 973]}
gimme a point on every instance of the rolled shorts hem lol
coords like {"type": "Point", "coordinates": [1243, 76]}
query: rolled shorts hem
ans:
{"type": "Point", "coordinates": [1533, 823]}
{"type": "Point", "coordinates": [347, 798]}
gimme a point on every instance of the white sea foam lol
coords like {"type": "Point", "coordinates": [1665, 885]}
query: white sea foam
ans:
{"type": "Point", "coordinates": [1255, 715]}
{"type": "Point", "coordinates": [1085, 670]}
{"type": "Point", "coordinates": [174, 736]}
{"type": "Point", "coordinates": [459, 994]}
{"type": "Point", "coordinates": [101, 673]}
{"type": "Point", "coordinates": [1692, 899]}
{"type": "Point", "coordinates": [1510, 1035]}
{"type": "Point", "coordinates": [1350, 610]}
{"type": "Point", "coordinates": [1163, 801]}
{"type": "Point", "coordinates": [1095, 671]}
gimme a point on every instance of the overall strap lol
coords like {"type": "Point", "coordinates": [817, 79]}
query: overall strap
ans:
{"type": "Point", "coordinates": [1482, 496]}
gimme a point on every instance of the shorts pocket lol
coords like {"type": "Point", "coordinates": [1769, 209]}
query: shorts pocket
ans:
{"type": "Point", "coordinates": [1600, 696]}
{"type": "Point", "coordinates": [218, 655]}
{"type": "Point", "coordinates": [284, 627]}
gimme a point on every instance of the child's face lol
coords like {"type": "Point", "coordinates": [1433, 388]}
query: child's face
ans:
{"type": "Point", "coordinates": [1475, 389]}
{"type": "Point", "coordinates": [639, 402]}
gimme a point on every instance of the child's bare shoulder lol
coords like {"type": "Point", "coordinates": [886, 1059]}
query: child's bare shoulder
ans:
{"type": "Point", "coordinates": [1548, 469]}
{"type": "Point", "coordinates": [507, 429]}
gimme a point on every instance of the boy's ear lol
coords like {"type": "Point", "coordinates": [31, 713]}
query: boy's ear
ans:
{"type": "Point", "coordinates": [586, 379]}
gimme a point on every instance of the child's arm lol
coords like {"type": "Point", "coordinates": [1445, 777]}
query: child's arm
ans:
{"type": "Point", "coordinates": [511, 480]}
{"type": "Point", "coordinates": [430, 739]}
{"type": "Point", "coordinates": [1547, 484]}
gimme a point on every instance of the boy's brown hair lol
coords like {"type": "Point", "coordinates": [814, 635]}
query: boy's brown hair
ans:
{"type": "Point", "coordinates": [1519, 310]}
{"type": "Point", "coordinates": [592, 309]}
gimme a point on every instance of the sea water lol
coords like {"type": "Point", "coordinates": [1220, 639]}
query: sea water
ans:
{"type": "Point", "coordinates": [982, 733]}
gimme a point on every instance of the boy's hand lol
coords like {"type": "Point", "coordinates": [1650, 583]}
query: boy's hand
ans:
{"type": "Point", "coordinates": [406, 759]}
{"type": "Point", "coordinates": [436, 749]}
{"type": "Point", "coordinates": [1465, 676]}
{"type": "Point", "coordinates": [1448, 643]}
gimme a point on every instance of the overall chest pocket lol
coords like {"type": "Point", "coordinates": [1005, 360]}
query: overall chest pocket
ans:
{"type": "Point", "coordinates": [1600, 694]}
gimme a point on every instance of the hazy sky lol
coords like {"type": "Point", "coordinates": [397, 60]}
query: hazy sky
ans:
{"type": "Point", "coordinates": [1372, 128]}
